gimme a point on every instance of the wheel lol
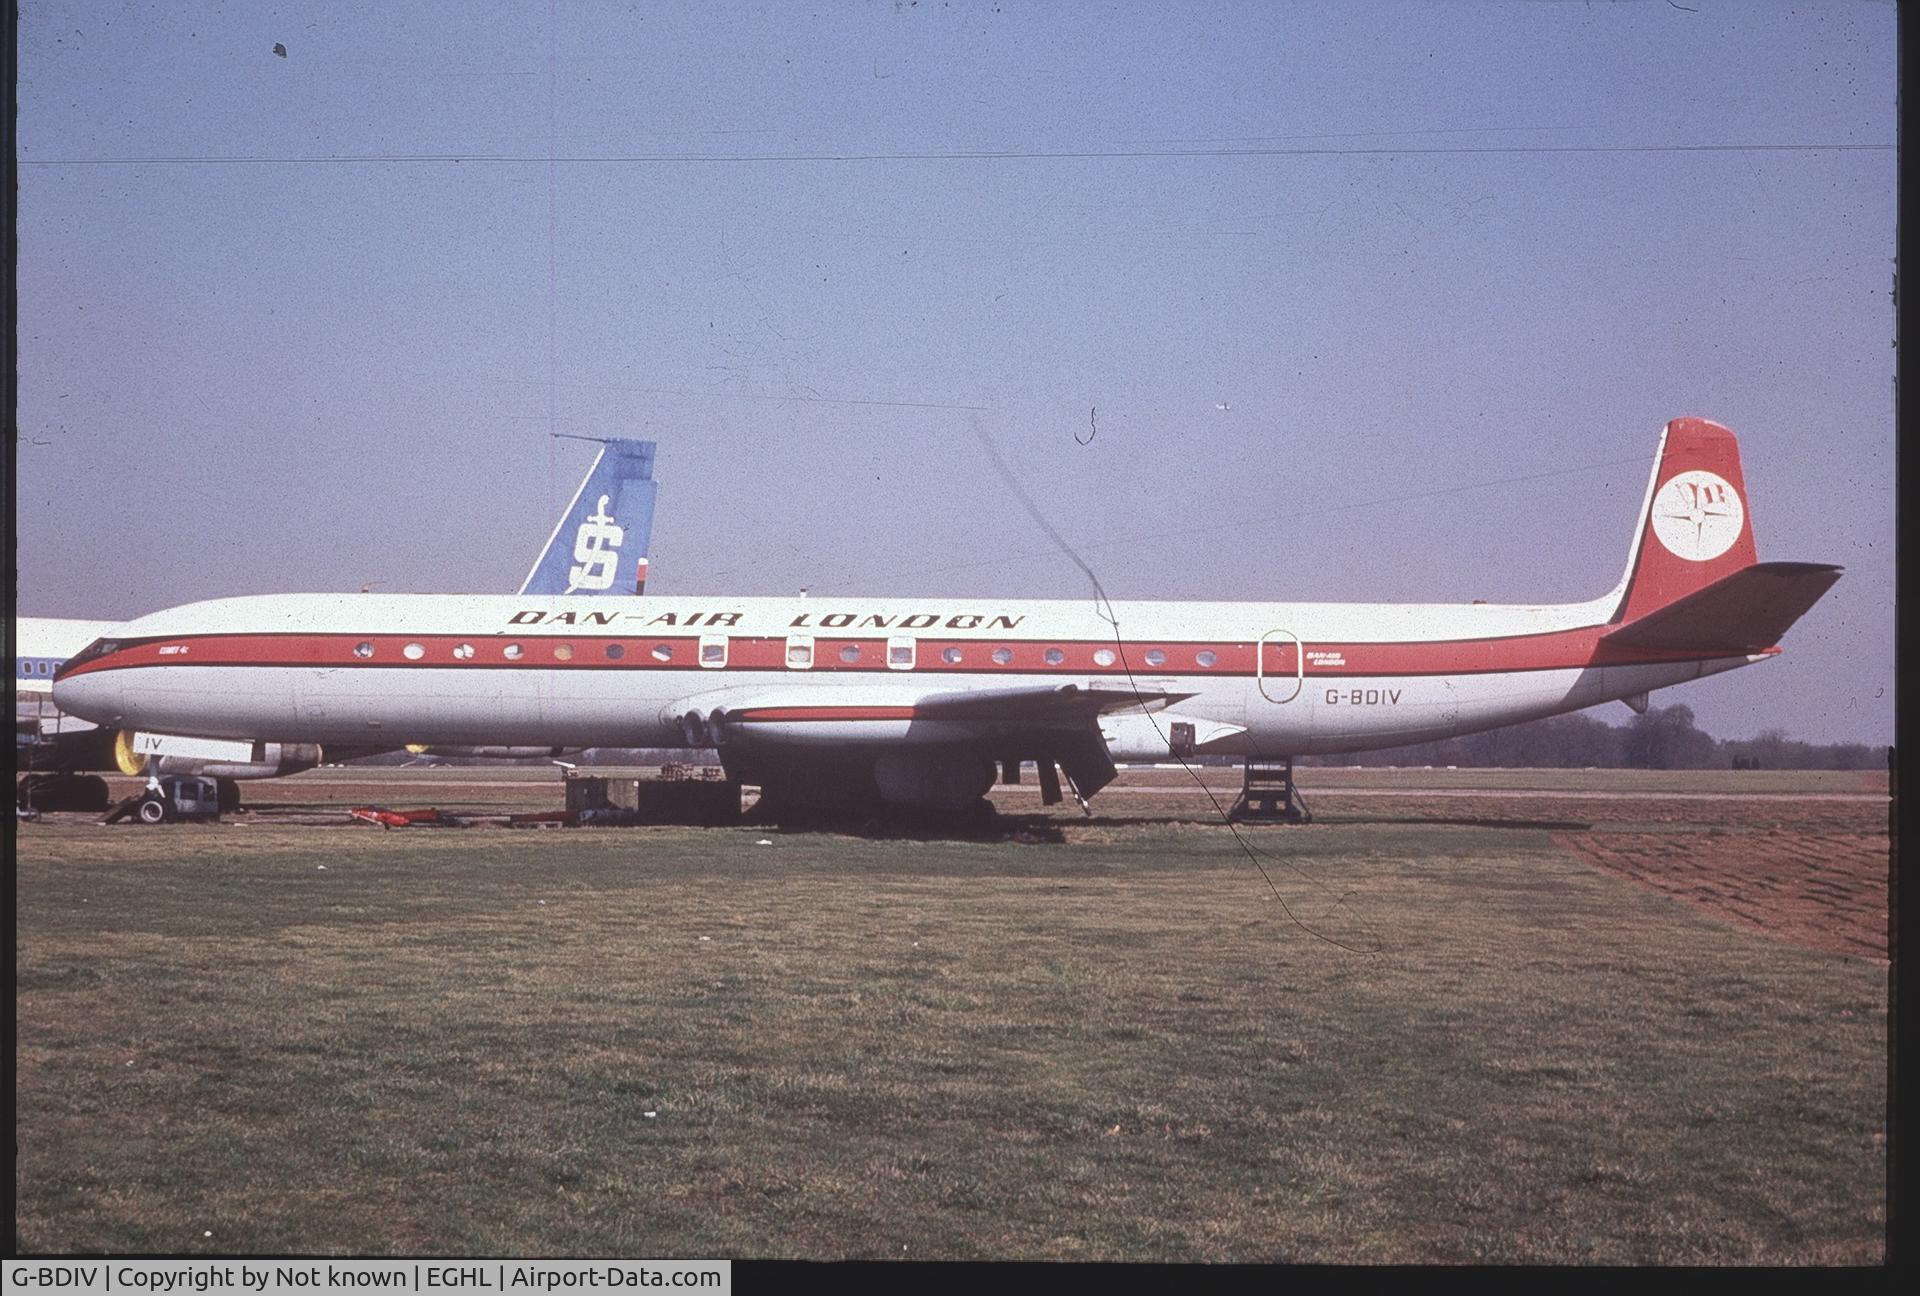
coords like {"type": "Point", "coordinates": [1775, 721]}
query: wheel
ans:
{"type": "Point", "coordinates": [152, 811]}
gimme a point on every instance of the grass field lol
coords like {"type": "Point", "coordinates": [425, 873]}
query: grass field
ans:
{"type": "Point", "coordinates": [306, 1038]}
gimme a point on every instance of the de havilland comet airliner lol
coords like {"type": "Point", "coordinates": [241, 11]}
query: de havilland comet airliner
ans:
{"type": "Point", "coordinates": [916, 701]}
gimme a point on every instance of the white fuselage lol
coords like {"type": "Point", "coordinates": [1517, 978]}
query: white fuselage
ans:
{"type": "Point", "coordinates": [1257, 678]}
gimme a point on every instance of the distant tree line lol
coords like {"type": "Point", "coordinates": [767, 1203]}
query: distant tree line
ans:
{"type": "Point", "coordinates": [1663, 738]}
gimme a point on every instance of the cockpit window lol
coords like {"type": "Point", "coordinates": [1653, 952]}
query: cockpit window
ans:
{"type": "Point", "coordinates": [93, 652]}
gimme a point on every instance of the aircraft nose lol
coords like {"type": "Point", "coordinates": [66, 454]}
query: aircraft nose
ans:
{"type": "Point", "coordinates": [96, 696]}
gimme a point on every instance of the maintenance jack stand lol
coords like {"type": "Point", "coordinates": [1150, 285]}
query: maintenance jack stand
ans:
{"type": "Point", "coordinates": [1268, 794]}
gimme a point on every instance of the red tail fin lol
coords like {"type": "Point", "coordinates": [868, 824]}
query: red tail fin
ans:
{"type": "Point", "coordinates": [1695, 527]}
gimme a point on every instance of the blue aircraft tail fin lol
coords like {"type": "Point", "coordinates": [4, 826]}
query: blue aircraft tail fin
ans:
{"type": "Point", "coordinates": [601, 540]}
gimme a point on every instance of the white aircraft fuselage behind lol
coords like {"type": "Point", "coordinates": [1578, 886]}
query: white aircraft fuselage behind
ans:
{"type": "Point", "coordinates": [930, 692]}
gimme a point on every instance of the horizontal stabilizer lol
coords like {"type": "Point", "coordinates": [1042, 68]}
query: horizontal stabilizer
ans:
{"type": "Point", "coordinates": [1746, 612]}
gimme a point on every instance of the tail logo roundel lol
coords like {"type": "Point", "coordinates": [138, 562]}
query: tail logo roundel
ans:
{"type": "Point", "coordinates": [1698, 515]}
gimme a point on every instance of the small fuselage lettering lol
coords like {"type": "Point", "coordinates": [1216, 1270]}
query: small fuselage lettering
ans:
{"type": "Point", "coordinates": [912, 621]}
{"type": "Point", "coordinates": [1363, 697]}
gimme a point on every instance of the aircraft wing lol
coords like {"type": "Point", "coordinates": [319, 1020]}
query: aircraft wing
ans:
{"type": "Point", "coordinates": [1070, 704]}
{"type": "Point", "coordinates": [986, 713]}
{"type": "Point", "coordinates": [1045, 723]}
{"type": "Point", "coordinates": [1746, 612]}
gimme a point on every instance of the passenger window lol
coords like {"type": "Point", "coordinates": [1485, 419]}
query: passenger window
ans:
{"type": "Point", "coordinates": [663, 652]}
{"type": "Point", "coordinates": [1002, 656]}
{"type": "Point", "coordinates": [900, 653]}
{"type": "Point", "coordinates": [1055, 656]}
{"type": "Point", "coordinates": [1155, 657]}
{"type": "Point", "coordinates": [1207, 657]}
{"type": "Point", "coordinates": [850, 654]}
{"type": "Point", "coordinates": [1103, 657]}
{"type": "Point", "coordinates": [799, 652]}
{"type": "Point", "coordinates": [951, 656]}
{"type": "Point", "coordinates": [713, 651]}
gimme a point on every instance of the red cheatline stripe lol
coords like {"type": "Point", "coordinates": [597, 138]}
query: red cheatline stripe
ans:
{"type": "Point", "coordinates": [1558, 650]}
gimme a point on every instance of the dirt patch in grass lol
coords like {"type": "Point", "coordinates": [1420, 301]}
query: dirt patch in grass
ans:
{"type": "Point", "coordinates": [1827, 891]}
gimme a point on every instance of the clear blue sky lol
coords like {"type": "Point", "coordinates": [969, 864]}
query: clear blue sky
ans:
{"type": "Point", "coordinates": [305, 322]}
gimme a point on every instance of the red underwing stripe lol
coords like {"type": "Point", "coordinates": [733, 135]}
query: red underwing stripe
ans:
{"type": "Point", "coordinates": [778, 715]}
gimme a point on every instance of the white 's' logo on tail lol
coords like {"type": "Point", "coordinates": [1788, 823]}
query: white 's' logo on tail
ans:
{"type": "Point", "coordinates": [1698, 515]}
{"type": "Point", "coordinates": [596, 554]}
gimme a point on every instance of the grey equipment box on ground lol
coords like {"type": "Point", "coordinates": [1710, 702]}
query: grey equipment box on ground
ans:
{"type": "Point", "coordinates": [680, 795]}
